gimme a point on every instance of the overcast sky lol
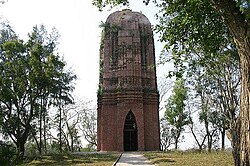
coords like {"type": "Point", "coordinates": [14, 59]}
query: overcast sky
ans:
{"type": "Point", "coordinates": [78, 24]}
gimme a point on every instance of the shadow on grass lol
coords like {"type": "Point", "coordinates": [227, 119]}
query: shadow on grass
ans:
{"type": "Point", "coordinates": [163, 160]}
{"type": "Point", "coordinates": [159, 157]}
{"type": "Point", "coordinates": [56, 160]}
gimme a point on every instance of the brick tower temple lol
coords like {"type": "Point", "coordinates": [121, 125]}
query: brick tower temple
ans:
{"type": "Point", "coordinates": [128, 100]}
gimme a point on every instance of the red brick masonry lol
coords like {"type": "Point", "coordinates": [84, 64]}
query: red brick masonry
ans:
{"type": "Point", "coordinates": [127, 82]}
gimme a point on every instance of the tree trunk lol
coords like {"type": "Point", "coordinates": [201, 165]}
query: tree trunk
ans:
{"type": "Point", "coordinates": [209, 142]}
{"type": "Point", "coordinates": [37, 143]}
{"type": "Point", "coordinates": [235, 142]}
{"type": "Point", "coordinates": [244, 111]}
{"type": "Point", "coordinates": [176, 144]}
{"type": "Point", "coordinates": [223, 134]}
{"type": "Point", "coordinates": [44, 130]}
{"type": "Point", "coordinates": [40, 129]}
{"type": "Point", "coordinates": [177, 139]}
{"type": "Point", "coordinates": [239, 27]}
{"type": "Point", "coordinates": [60, 128]}
{"type": "Point", "coordinates": [20, 149]}
{"type": "Point", "coordinates": [72, 146]}
{"type": "Point", "coordinates": [200, 145]}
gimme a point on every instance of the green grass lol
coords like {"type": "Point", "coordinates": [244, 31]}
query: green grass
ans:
{"type": "Point", "coordinates": [190, 158]}
{"type": "Point", "coordinates": [159, 158]}
{"type": "Point", "coordinates": [106, 159]}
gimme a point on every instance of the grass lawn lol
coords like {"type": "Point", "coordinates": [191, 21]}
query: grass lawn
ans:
{"type": "Point", "coordinates": [191, 158]}
{"type": "Point", "coordinates": [106, 159]}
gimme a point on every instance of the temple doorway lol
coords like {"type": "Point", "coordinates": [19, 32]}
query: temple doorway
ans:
{"type": "Point", "coordinates": [130, 137]}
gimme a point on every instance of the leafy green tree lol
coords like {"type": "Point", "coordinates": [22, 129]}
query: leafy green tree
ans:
{"type": "Point", "coordinates": [216, 82]}
{"type": "Point", "coordinates": [55, 85]}
{"type": "Point", "coordinates": [42, 46]}
{"type": "Point", "coordinates": [61, 97]}
{"type": "Point", "coordinates": [226, 96]}
{"type": "Point", "coordinates": [229, 101]}
{"type": "Point", "coordinates": [28, 72]}
{"type": "Point", "coordinates": [15, 94]}
{"type": "Point", "coordinates": [175, 113]}
{"type": "Point", "coordinates": [203, 106]}
{"type": "Point", "coordinates": [208, 117]}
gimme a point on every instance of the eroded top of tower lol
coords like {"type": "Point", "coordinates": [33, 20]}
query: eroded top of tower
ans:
{"type": "Point", "coordinates": [127, 15]}
{"type": "Point", "coordinates": [127, 53]}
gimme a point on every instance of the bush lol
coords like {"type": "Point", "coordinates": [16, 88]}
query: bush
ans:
{"type": "Point", "coordinates": [31, 150]}
{"type": "Point", "coordinates": [7, 153]}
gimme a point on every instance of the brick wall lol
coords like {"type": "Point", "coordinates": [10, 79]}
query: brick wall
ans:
{"type": "Point", "coordinates": [127, 82]}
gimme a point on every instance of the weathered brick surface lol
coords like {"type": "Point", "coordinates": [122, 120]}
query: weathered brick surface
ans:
{"type": "Point", "coordinates": [127, 82]}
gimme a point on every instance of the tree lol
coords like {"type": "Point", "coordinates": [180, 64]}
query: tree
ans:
{"type": "Point", "coordinates": [217, 80]}
{"type": "Point", "coordinates": [163, 86]}
{"type": "Point", "coordinates": [175, 110]}
{"type": "Point", "coordinates": [209, 84]}
{"type": "Point", "coordinates": [167, 135]}
{"type": "Point", "coordinates": [76, 119]}
{"type": "Point", "coordinates": [15, 95]}
{"type": "Point", "coordinates": [26, 70]}
{"type": "Point", "coordinates": [227, 79]}
{"type": "Point", "coordinates": [55, 83]}
{"type": "Point", "coordinates": [70, 130]}
{"type": "Point", "coordinates": [201, 28]}
{"type": "Point", "coordinates": [208, 117]}
{"type": "Point", "coordinates": [200, 105]}
{"type": "Point", "coordinates": [188, 25]}
{"type": "Point", "coordinates": [89, 126]}
{"type": "Point", "coordinates": [195, 135]}
{"type": "Point", "coordinates": [62, 98]}
{"type": "Point", "coordinates": [42, 45]}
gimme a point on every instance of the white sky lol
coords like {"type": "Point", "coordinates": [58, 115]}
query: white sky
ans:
{"type": "Point", "coordinates": [78, 24]}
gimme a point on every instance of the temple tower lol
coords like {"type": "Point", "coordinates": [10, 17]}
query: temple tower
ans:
{"type": "Point", "coordinates": [128, 100]}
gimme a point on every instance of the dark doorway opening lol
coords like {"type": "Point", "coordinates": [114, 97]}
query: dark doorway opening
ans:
{"type": "Point", "coordinates": [130, 133]}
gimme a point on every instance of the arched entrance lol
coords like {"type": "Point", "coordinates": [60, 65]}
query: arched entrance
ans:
{"type": "Point", "coordinates": [130, 133]}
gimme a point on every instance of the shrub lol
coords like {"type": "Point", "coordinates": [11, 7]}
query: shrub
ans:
{"type": "Point", "coordinates": [7, 153]}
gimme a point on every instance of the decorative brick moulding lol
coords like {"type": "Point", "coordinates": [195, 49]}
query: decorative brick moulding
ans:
{"type": "Point", "coordinates": [128, 100]}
